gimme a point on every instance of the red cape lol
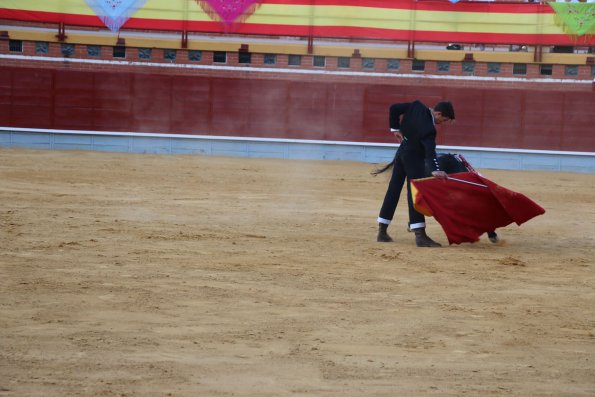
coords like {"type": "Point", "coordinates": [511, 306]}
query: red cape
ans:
{"type": "Point", "coordinates": [466, 211]}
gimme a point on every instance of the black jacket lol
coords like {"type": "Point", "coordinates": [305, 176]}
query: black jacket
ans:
{"type": "Point", "coordinates": [417, 127]}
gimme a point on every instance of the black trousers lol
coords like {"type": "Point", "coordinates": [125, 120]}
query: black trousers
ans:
{"type": "Point", "coordinates": [409, 164]}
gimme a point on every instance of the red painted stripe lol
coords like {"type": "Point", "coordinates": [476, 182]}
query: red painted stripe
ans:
{"type": "Point", "coordinates": [405, 35]}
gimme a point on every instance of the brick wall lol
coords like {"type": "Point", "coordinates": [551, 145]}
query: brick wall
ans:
{"type": "Point", "coordinates": [456, 68]}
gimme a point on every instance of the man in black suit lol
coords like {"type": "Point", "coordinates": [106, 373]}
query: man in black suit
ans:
{"type": "Point", "coordinates": [413, 124]}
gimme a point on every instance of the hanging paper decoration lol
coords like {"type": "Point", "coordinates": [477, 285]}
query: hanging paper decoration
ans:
{"type": "Point", "coordinates": [229, 12]}
{"type": "Point", "coordinates": [576, 18]}
{"type": "Point", "coordinates": [115, 13]}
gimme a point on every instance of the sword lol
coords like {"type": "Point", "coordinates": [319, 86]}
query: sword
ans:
{"type": "Point", "coordinates": [463, 181]}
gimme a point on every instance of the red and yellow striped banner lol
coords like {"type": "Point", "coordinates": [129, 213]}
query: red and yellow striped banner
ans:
{"type": "Point", "coordinates": [408, 20]}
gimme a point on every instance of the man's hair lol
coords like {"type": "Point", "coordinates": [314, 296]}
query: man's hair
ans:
{"type": "Point", "coordinates": [446, 109]}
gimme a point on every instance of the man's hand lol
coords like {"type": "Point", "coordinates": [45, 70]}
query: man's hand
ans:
{"type": "Point", "coordinates": [440, 174]}
{"type": "Point", "coordinates": [398, 136]}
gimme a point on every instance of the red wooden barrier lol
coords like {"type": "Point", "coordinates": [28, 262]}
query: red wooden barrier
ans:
{"type": "Point", "coordinates": [114, 101]}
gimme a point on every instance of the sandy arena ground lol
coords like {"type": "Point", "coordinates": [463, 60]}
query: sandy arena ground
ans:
{"type": "Point", "coordinates": [143, 275]}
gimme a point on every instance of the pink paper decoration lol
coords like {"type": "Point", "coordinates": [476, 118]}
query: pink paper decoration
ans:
{"type": "Point", "coordinates": [229, 12]}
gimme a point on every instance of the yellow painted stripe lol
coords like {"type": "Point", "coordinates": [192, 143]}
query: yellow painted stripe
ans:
{"type": "Point", "coordinates": [78, 7]}
{"type": "Point", "coordinates": [176, 10]}
{"type": "Point", "coordinates": [441, 21]}
{"type": "Point", "coordinates": [331, 16]}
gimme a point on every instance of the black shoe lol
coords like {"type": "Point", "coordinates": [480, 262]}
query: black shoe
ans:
{"type": "Point", "coordinates": [383, 236]}
{"type": "Point", "coordinates": [493, 237]}
{"type": "Point", "coordinates": [422, 239]}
